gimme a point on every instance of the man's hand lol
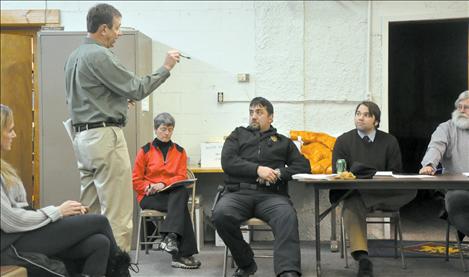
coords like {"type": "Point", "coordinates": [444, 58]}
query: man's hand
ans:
{"type": "Point", "coordinates": [268, 174]}
{"type": "Point", "coordinates": [427, 170]}
{"type": "Point", "coordinates": [71, 207]}
{"type": "Point", "coordinates": [172, 57]}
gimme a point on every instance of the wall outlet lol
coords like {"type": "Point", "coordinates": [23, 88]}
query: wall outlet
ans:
{"type": "Point", "coordinates": [243, 77]}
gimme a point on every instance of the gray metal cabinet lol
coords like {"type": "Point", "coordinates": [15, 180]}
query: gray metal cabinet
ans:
{"type": "Point", "coordinates": [59, 177]}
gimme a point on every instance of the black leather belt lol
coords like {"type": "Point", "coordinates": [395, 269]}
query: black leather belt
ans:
{"type": "Point", "coordinates": [86, 126]}
{"type": "Point", "coordinates": [259, 187]}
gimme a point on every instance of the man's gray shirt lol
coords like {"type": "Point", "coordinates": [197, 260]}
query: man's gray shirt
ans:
{"type": "Point", "coordinates": [450, 146]}
{"type": "Point", "coordinates": [98, 86]}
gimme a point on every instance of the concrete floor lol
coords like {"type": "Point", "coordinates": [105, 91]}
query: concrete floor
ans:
{"type": "Point", "coordinates": [157, 263]}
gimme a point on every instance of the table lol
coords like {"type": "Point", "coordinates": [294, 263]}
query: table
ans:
{"type": "Point", "coordinates": [378, 182]}
{"type": "Point", "coordinates": [198, 169]}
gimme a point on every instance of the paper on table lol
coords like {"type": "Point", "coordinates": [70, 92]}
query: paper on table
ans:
{"type": "Point", "coordinates": [416, 176]}
{"type": "Point", "coordinates": [304, 176]}
{"type": "Point", "coordinates": [383, 173]}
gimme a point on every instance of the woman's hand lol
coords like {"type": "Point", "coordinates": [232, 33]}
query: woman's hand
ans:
{"type": "Point", "coordinates": [153, 188]}
{"type": "Point", "coordinates": [71, 207]}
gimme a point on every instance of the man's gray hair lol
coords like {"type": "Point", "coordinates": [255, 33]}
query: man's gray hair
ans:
{"type": "Point", "coordinates": [463, 96]}
{"type": "Point", "coordinates": [163, 119]}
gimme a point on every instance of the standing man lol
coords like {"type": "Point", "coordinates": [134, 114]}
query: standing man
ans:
{"type": "Point", "coordinates": [98, 89]}
{"type": "Point", "coordinates": [450, 147]}
{"type": "Point", "coordinates": [370, 147]}
{"type": "Point", "coordinates": [258, 163]}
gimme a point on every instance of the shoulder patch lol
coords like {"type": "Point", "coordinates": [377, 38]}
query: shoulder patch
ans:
{"type": "Point", "coordinates": [179, 148]}
{"type": "Point", "coordinates": [146, 147]}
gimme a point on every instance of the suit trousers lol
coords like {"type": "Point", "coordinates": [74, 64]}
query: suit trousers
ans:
{"type": "Point", "coordinates": [178, 219]}
{"type": "Point", "coordinates": [106, 178]}
{"type": "Point", "coordinates": [360, 203]}
{"type": "Point", "coordinates": [276, 210]}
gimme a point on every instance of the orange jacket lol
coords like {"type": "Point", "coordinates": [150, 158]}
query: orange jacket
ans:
{"type": "Point", "coordinates": [151, 168]}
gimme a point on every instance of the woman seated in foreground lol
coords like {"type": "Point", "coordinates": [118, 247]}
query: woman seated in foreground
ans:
{"type": "Point", "coordinates": [84, 242]}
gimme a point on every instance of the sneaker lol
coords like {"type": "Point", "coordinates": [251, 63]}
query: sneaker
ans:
{"type": "Point", "coordinates": [170, 244]}
{"type": "Point", "coordinates": [246, 271]}
{"type": "Point", "coordinates": [365, 268]}
{"type": "Point", "coordinates": [186, 262]}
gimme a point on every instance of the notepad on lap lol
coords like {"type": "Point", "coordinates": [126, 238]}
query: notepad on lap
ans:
{"type": "Point", "coordinates": [177, 184]}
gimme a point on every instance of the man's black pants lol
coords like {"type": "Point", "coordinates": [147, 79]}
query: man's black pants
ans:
{"type": "Point", "coordinates": [277, 210]}
{"type": "Point", "coordinates": [178, 219]}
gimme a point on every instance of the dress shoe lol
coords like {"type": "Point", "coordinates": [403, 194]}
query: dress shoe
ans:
{"type": "Point", "coordinates": [365, 267]}
{"type": "Point", "coordinates": [170, 244]}
{"type": "Point", "coordinates": [246, 271]}
{"type": "Point", "coordinates": [289, 274]}
{"type": "Point", "coordinates": [186, 262]}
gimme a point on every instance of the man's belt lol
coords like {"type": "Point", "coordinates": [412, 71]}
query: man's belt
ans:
{"type": "Point", "coordinates": [86, 126]}
{"type": "Point", "coordinates": [251, 186]}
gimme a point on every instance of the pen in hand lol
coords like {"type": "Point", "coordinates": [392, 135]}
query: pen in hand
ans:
{"type": "Point", "coordinates": [187, 57]}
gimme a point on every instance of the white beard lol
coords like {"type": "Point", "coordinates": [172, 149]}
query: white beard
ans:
{"type": "Point", "coordinates": [460, 119]}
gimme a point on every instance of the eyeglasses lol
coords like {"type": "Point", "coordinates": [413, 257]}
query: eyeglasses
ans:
{"type": "Point", "coordinates": [463, 107]}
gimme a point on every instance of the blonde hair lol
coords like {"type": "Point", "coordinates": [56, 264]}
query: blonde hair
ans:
{"type": "Point", "coordinates": [9, 175]}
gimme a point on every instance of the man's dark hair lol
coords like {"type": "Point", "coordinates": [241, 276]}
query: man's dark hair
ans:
{"type": "Point", "coordinates": [373, 109]}
{"type": "Point", "coordinates": [99, 15]}
{"type": "Point", "coordinates": [261, 101]}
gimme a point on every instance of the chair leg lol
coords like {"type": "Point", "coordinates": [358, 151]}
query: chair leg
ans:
{"type": "Point", "coordinates": [225, 261]}
{"type": "Point", "coordinates": [461, 254]}
{"type": "Point", "coordinates": [404, 265]}
{"type": "Point", "coordinates": [145, 235]}
{"type": "Point", "coordinates": [138, 244]}
{"type": "Point", "coordinates": [344, 240]}
{"type": "Point", "coordinates": [447, 242]}
{"type": "Point", "coordinates": [395, 236]}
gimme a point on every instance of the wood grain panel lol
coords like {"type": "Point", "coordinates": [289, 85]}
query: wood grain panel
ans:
{"type": "Point", "coordinates": [16, 92]}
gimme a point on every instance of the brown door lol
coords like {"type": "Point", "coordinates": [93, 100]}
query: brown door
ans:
{"type": "Point", "coordinates": [16, 92]}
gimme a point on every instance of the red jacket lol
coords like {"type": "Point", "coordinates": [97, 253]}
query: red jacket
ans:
{"type": "Point", "coordinates": [151, 168]}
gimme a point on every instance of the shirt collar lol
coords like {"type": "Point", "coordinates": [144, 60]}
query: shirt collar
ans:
{"type": "Point", "coordinates": [371, 135]}
{"type": "Point", "coordinates": [89, 40]}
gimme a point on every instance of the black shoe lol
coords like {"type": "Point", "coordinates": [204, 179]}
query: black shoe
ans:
{"type": "Point", "coordinates": [289, 274]}
{"type": "Point", "coordinates": [170, 244]}
{"type": "Point", "coordinates": [119, 265]}
{"type": "Point", "coordinates": [186, 262]}
{"type": "Point", "coordinates": [365, 267]}
{"type": "Point", "coordinates": [246, 271]}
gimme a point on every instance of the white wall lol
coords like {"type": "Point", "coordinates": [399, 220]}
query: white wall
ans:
{"type": "Point", "coordinates": [309, 58]}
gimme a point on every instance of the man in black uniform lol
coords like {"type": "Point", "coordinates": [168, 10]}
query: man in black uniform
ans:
{"type": "Point", "coordinates": [255, 161]}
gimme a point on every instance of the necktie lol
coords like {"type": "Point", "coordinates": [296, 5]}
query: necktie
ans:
{"type": "Point", "coordinates": [367, 139]}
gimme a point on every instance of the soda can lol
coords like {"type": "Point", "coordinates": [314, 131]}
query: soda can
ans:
{"type": "Point", "coordinates": [341, 166]}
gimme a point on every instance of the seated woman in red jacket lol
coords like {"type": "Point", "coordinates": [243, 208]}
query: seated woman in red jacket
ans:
{"type": "Point", "coordinates": [159, 164]}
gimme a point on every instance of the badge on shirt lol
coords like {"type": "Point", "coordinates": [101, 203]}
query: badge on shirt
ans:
{"type": "Point", "coordinates": [273, 138]}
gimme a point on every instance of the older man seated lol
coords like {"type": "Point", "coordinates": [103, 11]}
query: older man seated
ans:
{"type": "Point", "coordinates": [450, 147]}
